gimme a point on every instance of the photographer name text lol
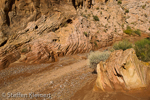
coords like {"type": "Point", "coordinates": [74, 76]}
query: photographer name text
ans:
{"type": "Point", "coordinates": [29, 95]}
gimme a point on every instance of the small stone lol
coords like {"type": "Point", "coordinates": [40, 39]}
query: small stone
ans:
{"type": "Point", "coordinates": [51, 82]}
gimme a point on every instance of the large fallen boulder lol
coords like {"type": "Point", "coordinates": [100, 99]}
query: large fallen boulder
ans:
{"type": "Point", "coordinates": [122, 70]}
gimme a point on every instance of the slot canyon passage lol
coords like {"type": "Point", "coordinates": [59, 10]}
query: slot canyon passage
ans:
{"type": "Point", "coordinates": [45, 47]}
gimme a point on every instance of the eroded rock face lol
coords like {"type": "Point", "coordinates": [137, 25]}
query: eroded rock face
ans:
{"type": "Point", "coordinates": [8, 59]}
{"type": "Point", "coordinates": [122, 70]}
{"type": "Point", "coordinates": [3, 39]}
{"type": "Point", "coordinates": [43, 30]}
{"type": "Point", "coordinates": [66, 41]}
{"type": "Point", "coordinates": [59, 33]}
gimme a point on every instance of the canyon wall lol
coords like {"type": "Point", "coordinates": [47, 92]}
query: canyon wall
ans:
{"type": "Point", "coordinates": [40, 31]}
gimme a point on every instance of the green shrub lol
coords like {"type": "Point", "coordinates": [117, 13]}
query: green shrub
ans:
{"type": "Point", "coordinates": [105, 30]}
{"type": "Point", "coordinates": [122, 45]}
{"type": "Point", "coordinates": [95, 57]}
{"type": "Point", "coordinates": [128, 31]}
{"type": "Point", "coordinates": [149, 29]}
{"type": "Point", "coordinates": [128, 27]}
{"type": "Point", "coordinates": [101, 12]}
{"type": "Point", "coordinates": [89, 15]}
{"type": "Point", "coordinates": [65, 25]}
{"type": "Point", "coordinates": [145, 15]}
{"type": "Point", "coordinates": [144, 6]}
{"type": "Point", "coordinates": [95, 43]}
{"type": "Point", "coordinates": [84, 15]}
{"type": "Point", "coordinates": [115, 29]}
{"type": "Point", "coordinates": [24, 50]}
{"type": "Point", "coordinates": [142, 49]}
{"type": "Point", "coordinates": [95, 18]}
{"type": "Point", "coordinates": [122, 25]}
{"type": "Point", "coordinates": [127, 11]}
{"type": "Point", "coordinates": [97, 8]}
{"type": "Point", "coordinates": [119, 2]}
{"type": "Point", "coordinates": [138, 32]}
{"type": "Point", "coordinates": [85, 33]}
{"type": "Point", "coordinates": [133, 23]}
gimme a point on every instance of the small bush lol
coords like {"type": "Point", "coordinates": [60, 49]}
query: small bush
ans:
{"type": "Point", "coordinates": [145, 15]}
{"type": "Point", "coordinates": [96, 57]}
{"type": "Point", "coordinates": [142, 49]}
{"type": "Point", "coordinates": [122, 45]}
{"type": "Point", "coordinates": [84, 15]}
{"type": "Point", "coordinates": [97, 8]}
{"type": "Point", "coordinates": [138, 32]}
{"type": "Point", "coordinates": [119, 2]}
{"type": "Point", "coordinates": [101, 12]}
{"type": "Point", "coordinates": [24, 50]}
{"type": "Point", "coordinates": [128, 27]}
{"type": "Point", "coordinates": [127, 11]}
{"type": "Point", "coordinates": [144, 6]}
{"type": "Point", "coordinates": [133, 23]}
{"type": "Point", "coordinates": [85, 33]}
{"type": "Point", "coordinates": [65, 25]}
{"type": "Point", "coordinates": [115, 29]}
{"type": "Point", "coordinates": [105, 30]}
{"type": "Point", "coordinates": [95, 43]}
{"type": "Point", "coordinates": [89, 15]}
{"type": "Point", "coordinates": [128, 31]}
{"type": "Point", "coordinates": [149, 29]}
{"type": "Point", "coordinates": [95, 18]}
{"type": "Point", "coordinates": [122, 25]}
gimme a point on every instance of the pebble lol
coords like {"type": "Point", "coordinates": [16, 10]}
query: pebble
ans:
{"type": "Point", "coordinates": [51, 82]}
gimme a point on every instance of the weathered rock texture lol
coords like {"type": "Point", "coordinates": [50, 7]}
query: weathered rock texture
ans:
{"type": "Point", "coordinates": [8, 59]}
{"type": "Point", "coordinates": [43, 30]}
{"type": "Point", "coordinates": [122, 70]}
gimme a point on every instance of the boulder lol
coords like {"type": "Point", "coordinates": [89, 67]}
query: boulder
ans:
{"type": "Point", "coordinates": [122, 70]}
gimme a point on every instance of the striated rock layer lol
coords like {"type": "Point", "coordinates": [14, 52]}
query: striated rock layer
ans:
{"type": "Point", "coordinates": [122, 70]}
{"type": "Point", "coordinates": [43, 30]}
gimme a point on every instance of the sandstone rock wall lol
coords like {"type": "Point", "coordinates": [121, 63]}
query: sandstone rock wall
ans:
{"type": "Point", "coordinates": [43, 30]}
{"type": "Point", "coordinates": [15, 14]}
{"type": "Point", "coordinates": [8, 59]}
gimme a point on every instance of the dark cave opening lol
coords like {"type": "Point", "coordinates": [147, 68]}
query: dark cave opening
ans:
{"type": "Point", "coordinates": [69, 21]}
{"type": "Point", "coordinates": [90, 4]}
{"type": "Point", "coordinates": [117, 74]}
{"type": "Point", "coordinates": [3, 43]}
{"type": "Point", "coordinates": [36, 27]}
{"type": "Point", "coordinates": [77, 5]}
{"type": "Point", "coordinates": [7, 10]}
{"type": "Point", "coordinates": [7, 19]}
{"type": "Point", "coordinates": [106, 1]}
{"type": "Point", "coordinates": [73, 2]}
